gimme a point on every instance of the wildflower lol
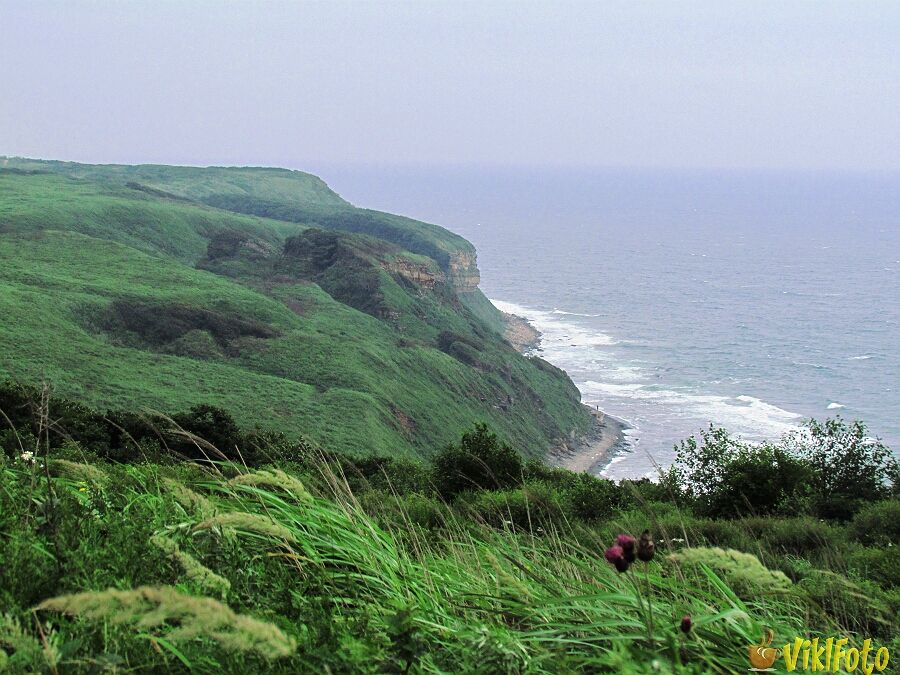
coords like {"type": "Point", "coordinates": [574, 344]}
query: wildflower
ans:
{"type": "Point", "coordinates": [616, 556]}
{"type": "Point", "coordinates": [27, 457]}
{"type": "Point", "coordinates": [613, 553]}
{"type": "Point", "coordinates": [646, 549]}
{"type": "Point", "coordinates": [686, 624]}
{"type": "Point", "coordinates": [627, 542]}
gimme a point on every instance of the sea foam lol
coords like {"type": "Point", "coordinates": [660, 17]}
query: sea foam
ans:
{"type": "Point", "coordinates": [637, 392]}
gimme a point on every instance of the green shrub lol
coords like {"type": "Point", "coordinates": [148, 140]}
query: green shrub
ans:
{"type": "Point", "coordinates": [534, 505]}
{"type": "Point", "coordinates": [746, 575]}
{"type": "Point", "coordinates": [480, 461]}
{"type": "Point", "coordinates": [877, 523]}
{"type": "Point", "coordinates": [851, 468]}
{"type": "Point", "coordinates": [857, 606]}
{"type": "Point", "coordinates": [389, 474]}
{"type": "Point", "coordinates": [795, 536]}
{"type": "Point", "coordinates": [881, 565]}
{"type": "Point", "coordinates": [590, 498]}
{"type": "Point", "coordinates": [724, 534]}
{"type": "Point", "coordinates": [729, 478]}
{"type": "Point", "coordinates": [426, 512]}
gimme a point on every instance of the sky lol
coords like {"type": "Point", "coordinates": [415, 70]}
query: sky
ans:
{"type": "Point", "coordinates": [711, 84]}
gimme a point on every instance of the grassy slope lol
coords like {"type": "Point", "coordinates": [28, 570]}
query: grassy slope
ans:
{"type": "Point", "coordinates": [342, 377]}
{"type": "Point", "coordinates": [31, 203]}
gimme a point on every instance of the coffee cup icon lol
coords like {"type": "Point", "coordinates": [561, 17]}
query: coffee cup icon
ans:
{"type": "Point", "coordinates": [764, 655]}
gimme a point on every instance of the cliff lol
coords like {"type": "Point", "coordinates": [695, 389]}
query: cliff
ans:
{"type": "Point", "coordinates": [263, 292]}
{"type": "Point", "coordinates": [463, 271]}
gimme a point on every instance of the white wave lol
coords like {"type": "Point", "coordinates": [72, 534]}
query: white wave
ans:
{"type": "Point", "coordinates": [740, 414]}
{"type": "Point", "coordinates": [561, 311]}
{"type": "Point", "coordinates": [863, 357]}
{"type": "Point", "coordinates": [604, 379]}
{"type": "Point", "coordinates": [622, 373]}
{"type": "Point", "coordinates": [557, 332]}
{"type": "Point", "coordinates": [834, 406]}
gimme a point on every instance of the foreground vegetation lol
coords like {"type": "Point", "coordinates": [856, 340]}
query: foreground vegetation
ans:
{"type": "Point", "coordinates": [283, 558]}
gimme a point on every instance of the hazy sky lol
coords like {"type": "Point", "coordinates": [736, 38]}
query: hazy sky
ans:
{"type": "Point", "coordinates": [711, 84]}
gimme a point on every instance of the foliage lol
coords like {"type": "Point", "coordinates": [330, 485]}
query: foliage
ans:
{"type": "Point", "coordinates": [480, 461]}
{"type": "Point", "coordinates": [387, 578]}
{"type": "Point", "coordinates": [851, 468]}
{"type": "Point", "coordinates": [742, 571]}
{"type": "Point", "coordinates": [829, 470]}
{"type": "Point", "coordinates": [159, 608]}
{"type": "Point", "coordinates": [878, 523]}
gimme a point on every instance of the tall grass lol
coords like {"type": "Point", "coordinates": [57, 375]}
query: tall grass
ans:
{"type": "Point", "coordinates": [349, 594]}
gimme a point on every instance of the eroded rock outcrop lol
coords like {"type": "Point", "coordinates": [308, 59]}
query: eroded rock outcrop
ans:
{"type": "Point", "coordinates": [463, 271]}
{"type": "Point", "coordinates": [415, 273]}
{"type": "Point", "coordinates": [520, 334]}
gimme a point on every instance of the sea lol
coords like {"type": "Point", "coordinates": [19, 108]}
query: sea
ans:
{"type": "Point", "coordinates": [676, 299]}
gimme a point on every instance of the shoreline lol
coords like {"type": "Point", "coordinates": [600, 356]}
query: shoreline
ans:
{"type": "Point", "coordinates": [590, 452]}
{"type": "Point", "coordinates": [593, 451]}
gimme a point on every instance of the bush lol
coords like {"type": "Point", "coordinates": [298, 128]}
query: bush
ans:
{"type": "Point", "coordinates": [725, 534]}
{"type": "Point", "coordinates": [851, 469]}
{"type": "Point", "coordinates": [212, 427]}
{"type": "Point", "coordinates": [480, 461]}
{"type": "Point", "coordinates": [859, 607]}
{"type": "Point", "coordinates": [746, 575]}
{"type": "Point", "coordinates": [877, 523]}
{"type": "Point", "coordinates": [592, 498]}
{"type": "Point", "coordinates": [881, 565]}
{"type": "Point", "coordinates": [534, 505]}
{"type": "Point", "coordinates": [390, 474]}
{"type": "Point", "coordinates": [426, 512]}
{"type": "Point", "coordinates": [729, 478]}
{"type": "Point", "coordinates": [795, 536]}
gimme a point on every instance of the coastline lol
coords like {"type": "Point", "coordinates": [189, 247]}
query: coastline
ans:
{"type": "Point", "coordinates": [590, 452]}
{"type": "Point", "coordinates": [593, 451]}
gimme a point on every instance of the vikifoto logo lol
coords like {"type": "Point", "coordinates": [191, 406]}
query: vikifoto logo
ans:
{"type": "Point", "coordinates": [818, 655]}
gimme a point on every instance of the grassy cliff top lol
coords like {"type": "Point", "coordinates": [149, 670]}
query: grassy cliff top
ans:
{"type": "Point", "coordinates": [281, 194]}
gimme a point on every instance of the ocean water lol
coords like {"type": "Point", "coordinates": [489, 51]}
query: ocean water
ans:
{"type": "Point", "coordinates": [676, 299]}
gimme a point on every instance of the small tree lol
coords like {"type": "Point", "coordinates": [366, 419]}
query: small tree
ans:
{"type": "Point", "coordinates": [727, 477]}
{"type": "Point", "coordinates": [480, 461]}
{"type": "Point", "coordinates": [213, 426]}
{"type": "Point", "coordinates": [851, 468]}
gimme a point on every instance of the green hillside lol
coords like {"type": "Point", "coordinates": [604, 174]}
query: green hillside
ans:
{"type": "Point", "coordinates": [262, 292]}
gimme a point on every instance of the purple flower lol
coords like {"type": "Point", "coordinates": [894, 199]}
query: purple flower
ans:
{"type": "Point", "coordinates": [616, 556]}
{"type": "Point", "coordinates": [686, 623]}
{"type": "Point", "coordinates": [627, 542]}
{"type": "Point", "coordinates": [613, 553]}
{"type": "Point", "coordinates": [646, 549]}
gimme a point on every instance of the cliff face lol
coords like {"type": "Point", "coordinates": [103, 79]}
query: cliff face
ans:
{"type": "Point", "coordinates": [417, 274]}
{"type": "Point", "coordinates": [463, 272]}
{"type": "Point", "coordinates": [521, 334]}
